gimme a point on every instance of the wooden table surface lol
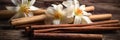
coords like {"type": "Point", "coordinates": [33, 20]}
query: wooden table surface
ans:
{"type": "Point", "coordinates": [7, 32]}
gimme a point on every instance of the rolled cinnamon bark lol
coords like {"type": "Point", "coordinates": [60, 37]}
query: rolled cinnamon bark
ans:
{"type": "Point", "coordinates": [90, 8]}
{"type": "Point", "coordinates": [70, 36]}
{"type": "Point", "coordinates": [39, 12]}
{"type": "Point", "coordinates": [8, 14]}
{"type": "Point", "coordinates": [100, 17]}
{"type": "Point", "coordinates": [28, 20]}
{"type": "Point", "coordinates": [44, 30]}
{"type": "Point", "coordinates": [101, 23]}
{"type": "Point", "coordinates": [79, 29]}
{"type": "Point", "coordinates": [89, 29]}
{"type": "Point", "coordinates": [109, 25]}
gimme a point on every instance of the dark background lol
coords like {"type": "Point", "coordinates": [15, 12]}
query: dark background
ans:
{"type": "Point", "coordinates": [7, 32]}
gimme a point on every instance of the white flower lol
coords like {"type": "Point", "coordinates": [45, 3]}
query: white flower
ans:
{"type": "Point", "coordinates": [74, 9]}
{"type": "Point", "coordinates": [56, 11]}
{"type": "Point", "coordinates": [23, 8]}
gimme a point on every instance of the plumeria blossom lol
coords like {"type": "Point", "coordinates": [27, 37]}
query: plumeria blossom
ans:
{"type": "Point", "coordinates": [56, 11]}
{"type": "Point", "coordinates": [81, 16]}
{"type": "Point", "coordinates": [23, 8]}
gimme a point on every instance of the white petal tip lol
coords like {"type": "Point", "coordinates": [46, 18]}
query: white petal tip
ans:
{"type": "Point", "coordinates": [56, 22]}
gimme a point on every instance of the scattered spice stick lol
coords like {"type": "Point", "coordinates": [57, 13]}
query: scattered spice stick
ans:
{"type": "Point", "coordinates": [70, 36]}
{"type": "Point", "coordinates": [28, 20]}
{"type": "Point", "coordinates": [100, 17]}
{"type": "Point", "coordinates": [79, 29]}
{"type": "Point", "coordinates": [76, 25]}
{"type": "Point", "coordinates": [109, 25]}
{"type": "Point", "coordinates": [39, 12]}
{"type": "Point", "coordinates": [45, 30]}
{"type": "Point", "coordinates": [54, 29]}
{"type": "Point", "coordinates": [89, 29]}
{"type": "Point", "coordinates": [90, 8]}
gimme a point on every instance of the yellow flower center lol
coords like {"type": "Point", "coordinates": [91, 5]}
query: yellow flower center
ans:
{"type": "Point", "coordinates": [57, 15]}
{"type": "Point", "coordinates": [24, 9]}
{"type": "Point", "coordinates": [78, 12]}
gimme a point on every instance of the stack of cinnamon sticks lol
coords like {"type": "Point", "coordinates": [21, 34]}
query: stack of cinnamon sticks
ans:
{"type": "Point", "coordinates": [102, 23]}
{"type": "Point", "coordinates": [74, 31]}
{"type": "Point", "coordinates": [96, 26]}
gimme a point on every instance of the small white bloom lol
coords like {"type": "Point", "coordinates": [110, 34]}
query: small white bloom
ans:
{"type": "Point", "coordinates": [81, 16]}
{"type": "Point", "coordinates": [23, 8]}
{"type": "Point", "coordinates": [56, 11]}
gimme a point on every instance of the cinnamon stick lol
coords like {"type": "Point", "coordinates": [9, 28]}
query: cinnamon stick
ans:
{"type": "Point", "coordinates": [106, 23]}
{"type": "Point", "coordinates": [100, 17]}
{"type": "Point", "coordinates": [78, 29]}
{"type": "Point", "coordinates": [90, 8]}
{"type": "Point", "coordinates": [70, 36]}
{"type": "Point", "coordinates": [39, 12]}
{"type": "Point", "coordinates": [89, 29]}
{"type": "Point", "coordinates": [109, 25]}
{"type": "Point", "coordinates": [28, 20]}
{"type": "Point", "coordinates": [55, 28]}
{"type": "Point", "coordinates": [44, 30]}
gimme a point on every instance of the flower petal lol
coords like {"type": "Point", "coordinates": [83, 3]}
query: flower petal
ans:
{"type": "Point", "coordinates": [34, 8]}
{"type": "Point", "coordinates": [86, 20]}
{"type": "Point", "coordinates": [16, 2]}
{"type": "Point", "coordinates": [11, 8]}
{"type": "Point", "coordinates": [32, 2]}
{"type": "Point", "coordinates": [56, 21]}
{"type": "Point", "coordinates": [50, 10]}
{"type": "Point", "coordinates": [68, 3]}
{"type": "Point", "coordinates": [77, 20]}
{"type": "Point", "coordinates": [76, 3]}
{"type": "Point", "coordinates": [86, 14]}
{"type": "Point", "coordinates": [54, 6]}
{"type": "Point", "coordinates": [24, 1]}
{"type": "Point", "coordinates": [60, 7]}
{"type": "Point", "coordinates": [69, 12]}
{"type": "Point", "coordinates": [82, 7]}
